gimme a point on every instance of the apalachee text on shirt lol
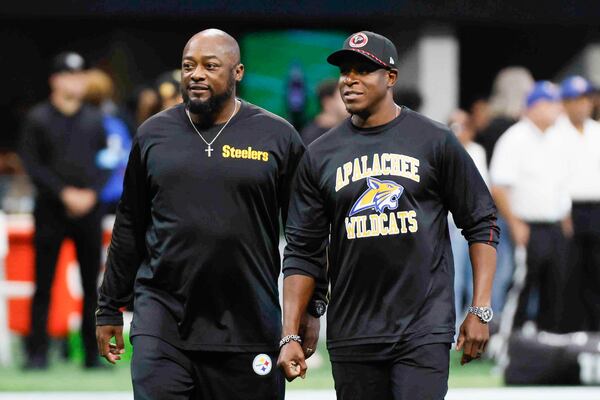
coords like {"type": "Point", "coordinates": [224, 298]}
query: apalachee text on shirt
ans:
{"type": "Point", "coordinates": [384, 164]}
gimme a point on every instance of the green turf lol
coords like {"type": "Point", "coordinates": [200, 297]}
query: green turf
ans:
{"type": "Point", "coordinates": [70, 376]}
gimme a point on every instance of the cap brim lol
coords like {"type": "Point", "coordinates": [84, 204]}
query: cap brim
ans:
{"type": "Point", "coordinates": [336, 58]}
{"type": "Point", "coordinates": [575, 95]}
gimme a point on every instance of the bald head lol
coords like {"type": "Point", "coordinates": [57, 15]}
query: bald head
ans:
{"type": "Point", "coordinates": [210, 68]}
{"type": "Point", "coordinates": [215, 41]}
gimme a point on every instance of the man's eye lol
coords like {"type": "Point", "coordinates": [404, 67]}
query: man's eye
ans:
{"type": "Point", "coordinates": [211, 66]}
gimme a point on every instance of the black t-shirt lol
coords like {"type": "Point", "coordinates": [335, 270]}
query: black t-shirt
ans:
{"type": "Point", "coordinates": [383, 194]}
{"type": "Point", "coordinates": [312, 132]}
{"type": "Point", "coordinates": [60, 150]}
{"type": "Point", "coordinates": [491, 133]}
{"type": "Point", "coordinates": [199, 235]}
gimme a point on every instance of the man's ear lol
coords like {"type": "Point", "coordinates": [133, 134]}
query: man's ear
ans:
{"type": "Point", "coordinates": [239, 72]}
{"type": "Point", "coordinates": [392, 77]}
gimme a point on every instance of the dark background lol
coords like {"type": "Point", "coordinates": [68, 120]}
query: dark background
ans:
{"type": "Point", "coordinates": [137, 40]}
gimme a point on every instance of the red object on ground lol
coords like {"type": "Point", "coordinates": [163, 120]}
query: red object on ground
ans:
{"type": "Point", "coordinates": [66, 301]}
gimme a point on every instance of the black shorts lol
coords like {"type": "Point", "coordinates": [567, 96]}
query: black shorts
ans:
{"type": "Point", "coordinates": [419, 373]}
{"type": "Point", "coordinates": [160, 371]}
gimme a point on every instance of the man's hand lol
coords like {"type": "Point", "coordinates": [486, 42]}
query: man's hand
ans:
{"type": "Point", "coordinates": [291, 361]}
{"type": "Point", "coordinates": [309, 332]}
{"type": "Point", "coordinates": [112, 352]}
{"type": "Point", "coordinates": [472, 339]}
{"type": "Point", "coordinates": [78, 202]}
{"type": "Point", "coordinates": [520, 232]}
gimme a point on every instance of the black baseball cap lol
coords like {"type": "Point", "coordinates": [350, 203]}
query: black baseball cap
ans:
{"type": "Point", "coordinates": [68, 62]}
{"type": "Point", "coordinates": [373, 46]}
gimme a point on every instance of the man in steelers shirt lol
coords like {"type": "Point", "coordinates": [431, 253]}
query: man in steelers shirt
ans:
{"type": "Point", "coordinates": [376, 190]}
{"type": "Point", "coordinates": [195, 241]}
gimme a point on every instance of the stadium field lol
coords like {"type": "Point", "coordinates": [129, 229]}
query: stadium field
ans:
{"type": "Point", "coordinates": [68, 376]}
{"type": "Point", "coordinates": [68, 381]}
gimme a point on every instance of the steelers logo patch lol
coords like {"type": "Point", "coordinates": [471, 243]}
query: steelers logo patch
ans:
{"type": "Point", "coordinates": [262, 364]}
{"type": "Point", "coordinates": [358, 40]}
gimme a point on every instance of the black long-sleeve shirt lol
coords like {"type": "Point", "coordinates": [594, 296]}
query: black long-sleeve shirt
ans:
{"type": "Point", "coordinates": [384, 194]}
{"type": "Point", "coordinates": [59, 150]}
{"type": "Point", "coordinates": [196, 237]}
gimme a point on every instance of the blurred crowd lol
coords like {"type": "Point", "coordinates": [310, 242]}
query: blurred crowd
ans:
{"type": "Point", "coordinates": [536, 144]}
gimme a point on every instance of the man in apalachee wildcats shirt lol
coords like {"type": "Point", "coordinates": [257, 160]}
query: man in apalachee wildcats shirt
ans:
{"type": "Point", "coordinates": [195, 241]}
{"type": "Point", "coordinates": [381, 184]}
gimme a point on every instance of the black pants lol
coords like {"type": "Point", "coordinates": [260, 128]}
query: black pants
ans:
{"type": "Point", "coordinates": [420, 373]}
{"type": "Point", "coordinates": [160, 371]}
{"type": "Point", "coordinates": [51, 227]}
{"type": "Point", "coordinates": [547, 270]}
{"type": "Point", "coordinates": [585, 285]}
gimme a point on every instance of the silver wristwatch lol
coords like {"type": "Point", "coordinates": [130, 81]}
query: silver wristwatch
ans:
{"type": "Point", "coordinates": [485, 314]}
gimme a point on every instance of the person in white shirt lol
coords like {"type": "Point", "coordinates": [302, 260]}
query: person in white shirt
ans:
{"type": "Point", "coordinates": [530, 175]}
{"type": "Point", "coordinates": [584, 186]}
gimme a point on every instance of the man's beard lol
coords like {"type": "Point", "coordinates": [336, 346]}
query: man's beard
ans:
{"type": "Point", "coordinates": [208, 109]}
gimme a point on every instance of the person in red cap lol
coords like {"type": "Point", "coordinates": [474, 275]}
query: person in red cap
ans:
{"type": "Point", "coordinates": [370, 202]}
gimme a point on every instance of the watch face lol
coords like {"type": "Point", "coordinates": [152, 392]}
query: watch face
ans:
{"type": "Point", "coordinates": [487, 314]}
{"type": "Point", "coordinates": [320, 308]}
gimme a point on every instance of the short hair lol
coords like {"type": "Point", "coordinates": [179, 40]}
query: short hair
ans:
{"type": "Point", "coordinates": [326, 89]}
{"type": "Point", "coordinates": [509, 91]}
{"type": "Point", "coordinates": [406, 96]}
{"type": "Point", "coordinates": [100, 87]}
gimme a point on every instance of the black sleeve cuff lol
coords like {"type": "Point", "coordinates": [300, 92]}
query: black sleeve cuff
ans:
{"type": "Point", "coordinates": [483, 231]}
{"type": "Point", "coordinates": [299, 264]}
{"type": "Point", "coordinates": [106, 317]}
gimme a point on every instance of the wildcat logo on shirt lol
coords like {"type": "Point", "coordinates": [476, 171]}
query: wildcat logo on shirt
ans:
{"type": "Point", "coordinates": [379, 196]}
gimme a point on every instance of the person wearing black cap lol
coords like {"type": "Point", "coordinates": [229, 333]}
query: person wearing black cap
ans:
{"type": "Point", "coordinates": [370, 202]}
{"type": "Point", "coordinates": [59, 143]}
{"type": "Point", "coordinates": [196, 240]}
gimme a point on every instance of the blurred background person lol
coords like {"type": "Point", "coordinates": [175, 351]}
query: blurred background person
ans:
{"type": "Point", "coordinates": [479, 112]}
{"type": "Point", "coordinates": [60, 140]}
{"type": "Point", "coordinates": [143, 103]}
{"type": "Point", "coordinates": [113, 159]}
{"type": "Point", "coordinates": [408, 97]}
{"type": "Point", "coordinates": [167, 87]}
{"type": "Point", "coordinates": [460, 123]}
{"type": "Point", "coordinates": [530, 187]}
{"type": "Point", "coordinates": [332, 112]}
{"type": "Point", "coordinates": [505, 107]}
{"type": "Point", "coordinates": [584, 184]}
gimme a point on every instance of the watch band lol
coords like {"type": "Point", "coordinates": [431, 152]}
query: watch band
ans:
{"type": "Point", "coordinates": [485, 314]}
